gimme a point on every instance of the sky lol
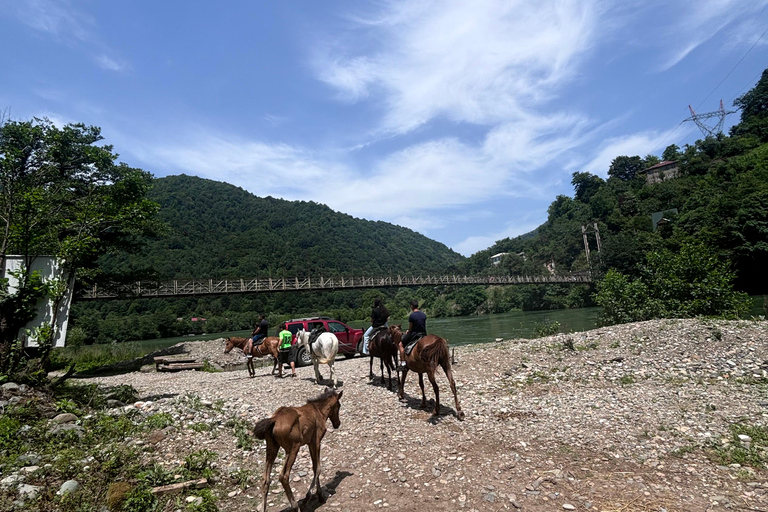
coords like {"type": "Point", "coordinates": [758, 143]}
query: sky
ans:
{"type": "Point", "coordinates": [460, 120]}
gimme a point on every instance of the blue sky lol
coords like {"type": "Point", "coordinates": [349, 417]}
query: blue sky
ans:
{"type": "Point", "coordinates": [461, 120]}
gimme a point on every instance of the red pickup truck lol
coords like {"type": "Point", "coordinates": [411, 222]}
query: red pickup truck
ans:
{"type": "Point", "coordinates": [350, 339]}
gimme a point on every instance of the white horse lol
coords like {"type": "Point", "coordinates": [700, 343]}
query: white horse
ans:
{"type": "Point", "coordinates": [324, 350]}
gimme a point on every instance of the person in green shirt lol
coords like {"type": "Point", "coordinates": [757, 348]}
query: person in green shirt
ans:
{"type": "Point", "coordinates": [286, 353]}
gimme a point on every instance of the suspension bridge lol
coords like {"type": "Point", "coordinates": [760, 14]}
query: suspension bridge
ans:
{"type": "Point", "coordinates": [192, 287]}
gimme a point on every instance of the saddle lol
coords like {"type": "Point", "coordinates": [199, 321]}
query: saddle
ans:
{"type": "Point", "coordinates": [259, 341]}
{"type": "Point", "coordinates": [377, 330]}
{"type": "Point", "coordinates": [416, 337]}
{"type": "Point", "coordinates": [314, 335]}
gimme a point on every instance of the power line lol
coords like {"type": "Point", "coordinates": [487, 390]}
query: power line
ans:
{"type": "Point", "coordinates": [734, 67]}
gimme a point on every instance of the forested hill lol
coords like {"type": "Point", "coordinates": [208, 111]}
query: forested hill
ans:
{"type": "Point", "coordinates": [717, 198]}
{"type": "Point", "coordinates": [219, 230]}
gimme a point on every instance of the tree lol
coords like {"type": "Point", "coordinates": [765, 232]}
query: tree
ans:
{"type": "Point", "coordinates": [626, 168]}
{"type": "Point", "coordinates": [671, 153]}
{"type": "Point", "coordinates": [62, 195]}
{"type": "Point", "coordinates": [754, 111]}
{"type": "Point", "coordinates": [586, 185]}
{"type": "Point", "coordinates": [686, 283]}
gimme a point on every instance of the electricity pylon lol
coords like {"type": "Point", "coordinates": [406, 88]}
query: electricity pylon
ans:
{"type": "Point", "coordinates": [706, 130]}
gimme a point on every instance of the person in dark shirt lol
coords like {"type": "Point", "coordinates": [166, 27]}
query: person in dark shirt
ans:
{"type": "Point", "coordinates": [379, 318]}
{"type": "Point", "coordinates": [260, 332]}
{"type": "Point", "coordinates": [417, 323]}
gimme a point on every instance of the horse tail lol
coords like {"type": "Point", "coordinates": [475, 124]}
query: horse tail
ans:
{"type": "Point", "coordinates": [435, 353]}
{"type": "Point", "coordinates": [263, 428]}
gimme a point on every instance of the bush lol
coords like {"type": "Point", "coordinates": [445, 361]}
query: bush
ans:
{"type": "Point", "coordinates": [688, 283]}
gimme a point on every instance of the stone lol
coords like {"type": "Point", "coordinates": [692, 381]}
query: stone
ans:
{"type": "Point", "coordinates": [69, 486]}
{"type": "Point", "coordinates": [568, 506]}
{"type": "Point", "coordinates": [156, 436]}
{"type": "Point", "coordinates": [113, 403]}
{"type": "Point", "coordinates": [10, 480]}
{"type": "Point", "coordinates": [66, 417]}
{"type": "Point", "coordinates": [10, 387]}
{"type": "Point", "coordinates": [66, 428]}
{"type": "Point", "coordinates": [116, 494]}
{"type": "Point", "coordinates": [29, 491]}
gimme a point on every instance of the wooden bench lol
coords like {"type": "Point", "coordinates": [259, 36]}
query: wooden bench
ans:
{"type": "Point", "coordinates": [167, 364]}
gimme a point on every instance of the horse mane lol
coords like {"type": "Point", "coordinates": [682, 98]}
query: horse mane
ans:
{"type": "Point", "coordinates": [322, 397]}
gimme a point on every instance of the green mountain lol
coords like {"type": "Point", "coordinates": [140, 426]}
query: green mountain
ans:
{"type": "Point", "coordinates": [217, 230]}
{"type": "Point", "coordinates": [716, 196]}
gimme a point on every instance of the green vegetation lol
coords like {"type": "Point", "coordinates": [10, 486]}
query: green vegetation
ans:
{"type": "Point", "coordinates": [64, 196]}
{"type": "Point", "coordinates": [95, 453]}
{"type": "Point", "coordinates": [752, 453]}
{"type": "Point", "coordinates": [716, 205]}
{"type": "Point", "coordinates": [687, 283]}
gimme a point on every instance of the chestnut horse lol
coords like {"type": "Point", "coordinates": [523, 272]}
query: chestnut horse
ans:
{"type": "Point", "coordinates": [430, 352]}
{"type": "Point", "coordinates": [267, 348]}
{"type": "Point", "coordinates": [382, 346]}
{"type": "Point", "coordinates": [290, 428]}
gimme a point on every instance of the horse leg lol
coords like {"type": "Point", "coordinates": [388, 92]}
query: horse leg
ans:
{"type": "Point", "coordinates": [381, 367]}
{"type": "Point", "coordinates": [316, 362]}
{"type": "Point", "coordinates": [389, 373]}
{"type": "Point", "coordinates": [370, 367]}
{"type": "Point", "coordinates": [251, 368]}
{"type": "Point", "coordinates": [400, 393]}
{"type": "Point", "coordinates": [333, 374]}
{"type": "Point", "coordinates": [272, 448]}
{"type": "Point", "coordinates": [314, 453]}
{"type": "Point", "coordinates": [276, 358]}
{"type": "Point", "coordinates": [449, 373]}
{"type": "Point", "coordinates": [431, 377]}
{"type": "Point", "coordinates": [423, 396]}
{"type": "Point", "coordinates": [285, 475]}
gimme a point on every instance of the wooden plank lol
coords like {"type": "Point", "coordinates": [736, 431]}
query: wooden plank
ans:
{"type": "Point", "coordinates": [168, 489]}
{"type": "Point", "coordinates": [167, 360]}
{"type": "Point", "coordinates": [175, 367]}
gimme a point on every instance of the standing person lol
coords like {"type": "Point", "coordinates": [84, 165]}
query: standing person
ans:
{"type": "Point", "coordinates": [261, 330]}
{"type": "Point", "coordinates": [417, 324]}
{"type": "Point", "coordinates": [286, 352]}
{"type": "Point", "coordinates": [379, 318]}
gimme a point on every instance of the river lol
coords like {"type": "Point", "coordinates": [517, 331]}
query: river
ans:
{"type": "Point", "coordinates": [466, 330]}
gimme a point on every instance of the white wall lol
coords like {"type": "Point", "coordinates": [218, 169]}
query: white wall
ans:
{"type": "Point", "coordinates": [50, 268]}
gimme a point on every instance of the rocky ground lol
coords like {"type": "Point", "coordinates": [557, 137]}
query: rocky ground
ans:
{"type": "Point", "coordinates": [642, 416]}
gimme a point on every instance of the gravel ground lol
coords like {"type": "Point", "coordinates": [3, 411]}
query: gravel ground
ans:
{"type": "Point", "coordinates": [630, 419]}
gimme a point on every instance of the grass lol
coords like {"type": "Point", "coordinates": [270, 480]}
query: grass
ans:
{"type": "Point", "coordinates": [97, 456]}
{"type": "Point", "coordinates": [753, 454]}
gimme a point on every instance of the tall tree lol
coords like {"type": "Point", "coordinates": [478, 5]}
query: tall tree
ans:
{"type": "Point", "coordinates": [626, 168]}
{"type": "Point", "coordinates": [65, 196]}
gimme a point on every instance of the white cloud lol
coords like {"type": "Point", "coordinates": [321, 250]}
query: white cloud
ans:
{"type": "Point", "coordinates": [473, 244]}
{"type": "Point", "coordinates": [57, 18]}
{"type": "Point", "coordinates": [634, 144]}
{"type": "Point", "coordinates": [110, 64]}
{"type": "Point", "coordinates": [481, 62]}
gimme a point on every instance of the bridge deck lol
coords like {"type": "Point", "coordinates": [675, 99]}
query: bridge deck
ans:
{"type": "Point", "coordinates": [178, 287]}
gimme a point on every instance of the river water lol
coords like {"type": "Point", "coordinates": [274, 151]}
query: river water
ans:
{"type": "Point", "coordinates": [466, 330]}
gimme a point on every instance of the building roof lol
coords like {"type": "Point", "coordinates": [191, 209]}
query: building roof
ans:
{"type": "Point", "coordinates": [665, 163]}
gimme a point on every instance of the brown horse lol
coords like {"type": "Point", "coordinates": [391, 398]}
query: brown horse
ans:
{"type": "Point", "coordinates": [430, 352]}
{"type": "Point", "coordinates": [382, 346]}
{"type": "Point", "coordinates": [290, 428]}
{"type": "Point", "coordinates": [267, 348]}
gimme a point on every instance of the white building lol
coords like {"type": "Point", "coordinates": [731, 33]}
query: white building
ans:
{"type": "Point", "coordinates": [49, 268]}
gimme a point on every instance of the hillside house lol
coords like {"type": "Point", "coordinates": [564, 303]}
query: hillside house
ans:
{"type": "Point", "coordinates": [665, 170]}
{"type": "Point", "coordinates": [496, 258]}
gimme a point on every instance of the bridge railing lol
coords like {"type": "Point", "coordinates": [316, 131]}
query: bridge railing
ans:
{"type": "Point", "coordinates": [186, 287]}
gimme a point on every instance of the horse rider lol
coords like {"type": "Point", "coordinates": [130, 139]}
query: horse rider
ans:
{"type": "Point", "coordinates": [260, 331]}
{"type": "Point", "coordinates": [379, 318]}
{"type": "Point", "coordinates": [286, 351]}
{"type": "Point", "coordinates": [417, 325]}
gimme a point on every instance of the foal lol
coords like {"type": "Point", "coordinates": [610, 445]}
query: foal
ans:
{"type": "Point", "coordinates": [266, 348]}
{"type": "Point", "coordinates": [290, 428]}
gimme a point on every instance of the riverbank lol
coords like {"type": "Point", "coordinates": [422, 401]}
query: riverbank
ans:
{"type": "Point", "coordinates": [644, 416]}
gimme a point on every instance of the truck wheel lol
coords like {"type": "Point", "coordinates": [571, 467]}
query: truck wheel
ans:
{"type": "Point", "coordinates": [304, 358]}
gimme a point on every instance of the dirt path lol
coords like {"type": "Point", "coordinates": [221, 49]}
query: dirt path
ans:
{"type": "Point", "coordinates": [637, 417]}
